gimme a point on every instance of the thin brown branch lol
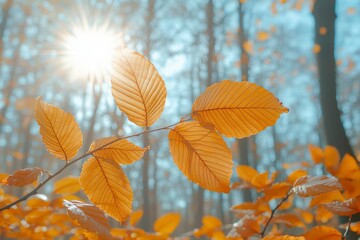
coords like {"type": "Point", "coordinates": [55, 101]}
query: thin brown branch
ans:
{"type": "Point", "coordinates": [347, 228]}
{"type": "Point", "coordinates": [273, 212]}
{"type": "Point", "coordinates": [35, 190]}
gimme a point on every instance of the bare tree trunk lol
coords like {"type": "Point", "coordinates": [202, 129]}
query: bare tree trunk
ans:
{"type": "Point", "coordinates": [325, 16]}
{"type": "Point", "coordinates": [5, 14]}
{"type": "Point", "coordinates": [324, 13]}
{"type": "Point", "coordinates": [243, 143]}
{"type": "Point", "coordinates": [146, 220]}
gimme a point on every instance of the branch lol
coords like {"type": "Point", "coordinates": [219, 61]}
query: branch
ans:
{"type": "Point", "coordinates": [347, 228]}
{"type": "Point", "coordinates": [273, 212]}
{"type": "Point", "coordinates": [35, 190]}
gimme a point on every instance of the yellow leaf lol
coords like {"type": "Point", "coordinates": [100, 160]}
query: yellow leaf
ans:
{"type": "Point", "coordinates": [348, 168]}
{"type": "Point", "coordinates": [61, 134]}
{"type": "Point", "coordinates": [285, 237]}
{"type": "Point", "coordinates": [261, 180]}
{"type": "Point", "coordinates": [246, 227]}
{"type": "Point", "coordinates": [106, 185]}
{"type": "Point", "coordinates": [307, 186]}
{"type": "Point", "coordinates": [323, 232]}
{"type": "Point", "coordinates": [277, 190]}
{"type": "Point", "coordinates": [326, 197]}
{"type": "Point", "coordinates": [201, 155]}
{"type": "Point", "coordinates": [89, 217]}
{"type": "Point", "coordinates": [246, 173]}
{"type": "Point", "coordinates": [135, 217]}
{"type": "Point", "coordinates": [263, 36]}
{"type": "Point", "coordinates": [331, 159]}
{"type": "Point", "coordinates": [316, 152]}
{"type": "Point", "coordinates": [289, 219]}
{"type": "Point", "coordinates": [248, 47]}
{"type": "Point", "coordinates": [323, 215]}
{"type": "Point", "coordinates": [67, 185]}
{"type": "Point", "coordinates": [120, 151]}
{"type": "Point", "coordinates": [316, 48]}
{"type": "Point", "coordinates": [167, 223]}
{"type": "Point", "coordinates": [344, 208]}
{"type": "Point", "coordinates": [210, 225]}
{"type": "Point", "coordinates": [296, 175]}
{"type": "Point", "coordinates": [22, 177]}
{"type": "Point", "coordinates": [138, 89]}
{"type": "Point", "coordinates": [237, 109]}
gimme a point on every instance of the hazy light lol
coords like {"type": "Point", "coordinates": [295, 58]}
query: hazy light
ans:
{"type": "Point", "coordinates": [89, 52]}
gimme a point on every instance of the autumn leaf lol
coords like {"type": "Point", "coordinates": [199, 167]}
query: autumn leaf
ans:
{"type": "Point", "coordinates": [316, 153]}
{"type": "Point", "coordinates": [289, 219]}
{"type": "Point", "coordinates": [89, 217]}
{"type": "Point", "coordinates": [167, 223]}
{"type": "Point", "coordinates": [277, 190]}
{"type": "Point", "coordinates": [246, 227]}
{"type": "Point", "coordinates": [263, 36]}
{"type": "Point", "coordinates": [23, 177]}
{"type": "Point", "coordinates": [348, 168]}
{"type": "Point", "coordinates": [246, 172]}
{"type": "Point", "coordinates": [326, 197]}
{"type": "Point", "coordinates": [285, 237]}
{"type": "Point", "coordinates": [210, 225]}
{"type": "Point", "coordinates": [106, 185]}
{"type": "Point", "coordinates": [323, 232]}
{"type": "Point", "coordinates": [67, 185]}
{"type": "Point", "coordinates": [312, 186]}
{"type": "Point", "coordinates": [201, 155]}
{"type": "Point", "coordinates": [237, 109]}
{"type": "Point", "coordinates": [331, 159]}
{"type": "Point", "coordinates": [122, 151]}
{"type": "Point", "coordinates": [344, 208]}
{"type": "Point", "coordinates": [61, 134]}
{"type": "Point", "coordinates": [248, 47]}
{"type": "Point", "coordinates": [296, 175]}
{"type": "Point", "coordinates": [138, 89]}
{"type": "Point", "coordinates": [135, 217]}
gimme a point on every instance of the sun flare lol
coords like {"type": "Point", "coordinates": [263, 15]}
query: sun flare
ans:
{"type": "Point", "coordinates": [89, 52]}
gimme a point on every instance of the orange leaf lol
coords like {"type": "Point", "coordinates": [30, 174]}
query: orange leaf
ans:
{"type": "Point", "coordinates": [67, 185]}
{"type": "Point", "coordinates": [89, 217]}
{"type": "Point", "coordinates": [351, 187]}
{"type": "Point", "coordinates": [237, 109]}
{"type": "Point", "coordinates": [316, 48]}
{"type": "Point", "coordinates": [316, 153]}
{"type": "Point", "coordinates": [260, 181]}
{"type": "Point", "coordinates": [289, 219]}
{"type": "Point", "coordinates": [323, 215]}
{"type": "Point", "coordinates": [323, 232]}
{"type": "Point", "coordinates": [120, 151]}
{"type": "Point", "coordinates": [201, 155]}
{"type": "Point", "coordinates": [277, 190]}
{"type": "Point", "coordinates": [167, 223]}
{"type": "Point", "coordinates": [295, 175]}
{"type": "Point", "coordinates": [326, 197]}
{"type": "Point", "coordinates": [210, 225]}
{"type": "Point", "coordinates": [348, 168]}
{"type": "Point", "coordinates": [23, 177]}
{"type": "Point", "coordinates": [246, 172]}
{"type": "Point", "coordinates": [107, 187]}
{"type": "Point", "coordinates": [344, 208]}
{"type": "Point", "coordinates": [135, 217]}
{"type": "Point", "coordinates": [138, 89]}
{"type": "Point", "coordinates": [246, 227]}
{"type": "Point", "coordinates": [308, 217]}
{"type": "Point", "coordinates": [312, 186]}
{"type": "Point", "coordinates": [59, 130]}
{"type": "Point", "coordinates": [331, 159]}
{"type": "Point", "coordinates": [262, 36]}
{"type": "Point", "coordinates": [285, 237]}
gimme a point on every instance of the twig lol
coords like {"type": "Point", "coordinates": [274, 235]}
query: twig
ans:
{"type": "Point", "coordinates": [347, 228]}
{"type": "Point", "coordinates": [273, 212]}
{"type": "Point", "coordinates": [35, 190]}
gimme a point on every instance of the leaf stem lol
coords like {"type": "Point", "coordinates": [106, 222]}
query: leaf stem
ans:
{"type": "Point", "coordinates": [69, 163]}
{"type": "Point", "coordinates": [347, 228]}
{"type": "Point", "coordinates": [273, 212]}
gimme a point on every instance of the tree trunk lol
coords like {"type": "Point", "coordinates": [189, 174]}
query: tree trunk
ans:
{"type": "Point", "coordinates": [324, 15]}
{"type": "Point", "coordinates": [244, 73]}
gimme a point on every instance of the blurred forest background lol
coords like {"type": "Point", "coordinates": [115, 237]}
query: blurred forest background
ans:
{"type": "Point", "coordinates": [193, 44]}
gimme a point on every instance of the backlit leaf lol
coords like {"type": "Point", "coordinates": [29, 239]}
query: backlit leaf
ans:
{"type": "Point", "coordinates": [135, 217]}
{"type": "Point", "coordinates": [331, 159]}
{"type": "Point", "coordinates": [326, 197]}
{"type": "Point", "coordinates": [201, 155]}
{"type": "Point", "coordinates": [121, 151]}
{"type": "Point", "coordinates": [348, 168]}
{"type": "Point", "coordinates": [61, 134]}
{"type": "Point", "coordinates": [246, 227]}
{"type": "Point", "coordinates": [67, 185]}
{"type": "Point", "coordinates": [246, 172]}
{"type": "Point", "coordinates": [237, 109]}
{"type": "Point", "coordinates": [107, 187]}
{"type": "Point", "coordinates": [323, 232]}
{"type": "Point", "coordinates": [210, 224]}
{"type": "Point", "coordinates": [295, 175]}
{"type": "Point", "coordinates": [89, 217]}
{"type": "Point", "coordinates": [344, 208]}
{"type": "Point", "coordinates": [167, 223]}
{"type": "Point", "coordinates": [138, 89]}
{"type": "Point", "coordinates": [316, 153]}
{"type": "Point", "coordinates": [285, 237]}
{"type": "Point", "coordinates": [289, 219]}
{"type": "Point", "coordinates": [312, 186]}
{"type": "Point", "coordinates": [22, 177]}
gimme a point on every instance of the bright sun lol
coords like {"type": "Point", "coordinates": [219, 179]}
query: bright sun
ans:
{"type": "Point", "coordinates": [89, 52]}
